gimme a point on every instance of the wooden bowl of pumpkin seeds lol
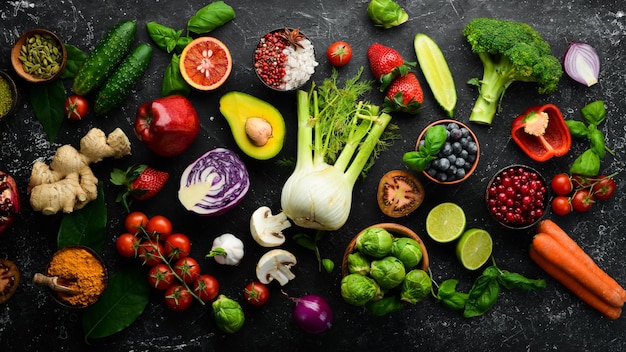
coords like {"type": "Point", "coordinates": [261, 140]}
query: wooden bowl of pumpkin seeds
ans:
{"type": "Point", "coordinates": [39, 56]}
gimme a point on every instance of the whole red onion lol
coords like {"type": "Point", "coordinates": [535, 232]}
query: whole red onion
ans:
{"type": "Point", "coordinates": [9, 201]}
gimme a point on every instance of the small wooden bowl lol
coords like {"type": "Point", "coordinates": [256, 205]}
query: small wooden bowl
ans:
{"type": "Point", "coordinates": [396, 230]}
{"type": "Point", "coordinates": [474, 164]}
{"type": "Point", "coordinates": [19, 67]}
{"type": "Point", "coordinates": [14, 93]}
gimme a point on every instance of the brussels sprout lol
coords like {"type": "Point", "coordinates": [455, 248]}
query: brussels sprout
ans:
{"type": "Point", "coordinates": [375, 242]}
{"type": "Point", "coordinates": [407, 250]}
{"type": "Point", "coordinates": [386, 13]}
{"type": "Point", "coordinates": [358, 289]}
{"type": "Point", "coordinates": [416, 286]}
{"type": "Point", "coordinates": [388, 272]}
{"type": "Point", "coordinates": [358, 263]}
{"type": "Point", "coordinates": [385, 305]}
{"type": "Point", "coordinates": [228, 314]}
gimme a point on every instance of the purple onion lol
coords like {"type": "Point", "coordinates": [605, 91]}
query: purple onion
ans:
{"type": "Point", "coordinates": [312, 314]}
{"type": "Point", "coordinates": [582, 63]}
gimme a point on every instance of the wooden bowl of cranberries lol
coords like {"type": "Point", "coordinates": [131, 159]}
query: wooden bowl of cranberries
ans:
{"type": "Point", "coordinates": [517, 196]}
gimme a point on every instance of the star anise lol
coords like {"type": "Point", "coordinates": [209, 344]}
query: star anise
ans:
{"type": "Point", "coordinates": [293, 37]}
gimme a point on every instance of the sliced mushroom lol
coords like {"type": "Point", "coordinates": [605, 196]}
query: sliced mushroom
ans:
{"type": "Point", "coordinates": [275, 265]}
{"type": "Point", "coordinates": [266, 229]}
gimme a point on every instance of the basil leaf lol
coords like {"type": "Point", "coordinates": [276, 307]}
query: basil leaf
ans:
{"type": "Point", "coordinates": [594, 112]}
{"type": "Point", "coordinates": [181, 43]}
{"type": "Point", "coordinates": [210, 17]}
{"type": "Point", "coordinates": [587, 164]}
{"type": "Point", "coordinates": [434, 139]}
{"type": "Point", "coordinates": [86, 226]}
{"type": "Point", "coordinates": [328, 265]}
{"type": "Point", "coordinates": [126, 296]}
{"type": "Point", "coordinates": [165, 38]}
{"type": "Point", "coordinates": [511, 280]}
{"type": "Point", "coordinates": [596, 141]}
{"type": "Point", "coordinates": [416, 161]}
{"type": "Point", "coordinates": [577, 129]}
{"type": "Point", "coordinates": [173, 82]}
{"type": "Point", "coordinates": [482, 296]}
{"type": "Point", "coordinates": [75, 60]}
{"type": "Point", "coordinates": [384, 305]}
{"type": "Point", "coordinates": [305, 241]}
{"type": "Point", "coordinates": [450, 297]}
{"type": "Point", "coordinates": [47, 100]}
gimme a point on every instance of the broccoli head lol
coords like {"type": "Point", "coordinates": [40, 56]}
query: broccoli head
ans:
{"type": "Point", "coordinates": [509, 51]}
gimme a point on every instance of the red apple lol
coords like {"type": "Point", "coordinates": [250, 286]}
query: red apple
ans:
{"type": "Point", "coordinates": [168, 125]}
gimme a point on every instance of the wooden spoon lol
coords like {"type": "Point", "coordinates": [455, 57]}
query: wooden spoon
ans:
{"type": "Point", "coordinates": [53, 283]}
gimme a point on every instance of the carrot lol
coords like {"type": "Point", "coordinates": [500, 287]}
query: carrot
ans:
{"type": "Point", "coordinates": [552, 251]}
{"type": "Point", "coordinates": [549, 227]}
{"type": "Point", "coordinates": [575, 287]}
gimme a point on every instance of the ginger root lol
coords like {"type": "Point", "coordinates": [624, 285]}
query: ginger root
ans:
{"type": "Point", "coordinates": [68, 182]}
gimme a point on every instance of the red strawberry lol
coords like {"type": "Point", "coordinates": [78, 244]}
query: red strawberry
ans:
{"type": "Point", "coordinates": [404, 94]}
{"type": "Point", "coordinates": [140, 182]}
{"type": "Point", "coordinates": [386, 64]}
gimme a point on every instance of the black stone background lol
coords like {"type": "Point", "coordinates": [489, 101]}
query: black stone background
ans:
{"type": "Point", "coordinates": [551, 319]}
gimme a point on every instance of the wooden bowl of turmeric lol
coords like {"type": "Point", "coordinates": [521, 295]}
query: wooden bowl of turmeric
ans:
{"type": "Point", "coordinates": [80, 269]}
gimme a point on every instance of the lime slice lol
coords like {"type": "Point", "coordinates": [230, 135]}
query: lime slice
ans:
{"type": "Point", "coordinates": [445, 222]}
{"type": "Point", "coordinates": [436, 71]}
{"type": "Point", "coordinates": [474, 248]}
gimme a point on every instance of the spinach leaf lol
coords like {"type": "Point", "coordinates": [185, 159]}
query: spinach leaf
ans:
{"type": "Point", "coordinates": [511, 280]}
{"type": "Point", "coordinates": [165, 38]}
{"type": "Point", "coordinates": [586, 164]}
{"type": "Point", "coordinates": [577, 129]}
{"type": "Point", "coordinates": [123, 301]}
{"type": "Point", "coordinates": [594, 112]}
{"type": "Point", "coordinates": [47, 100]}
{"type": "Point", "coordinates": [596, 142]}
{"type": "Point", "coordinates": [75, 60]}
{"type": "Point", "coordinates": [210, 17]}
{"type": "Point", "coordinates": [173, 81]}
{"type": "Point", "coordinates": [86, 226]}
{"type": "Point", "coordinates": [482, 296]}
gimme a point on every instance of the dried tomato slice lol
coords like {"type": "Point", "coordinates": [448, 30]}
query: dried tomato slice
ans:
{"type": "Point", "coordinates": [399, 193]}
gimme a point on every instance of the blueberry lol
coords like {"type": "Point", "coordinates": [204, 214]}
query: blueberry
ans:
{"type": "Point", "coordinates": [472, 148]}
{"type": "Point", "coordinates": [446, 149]}
{"type": "Point", "coordinates": [456, 148]}
{"type": "Point", "coordinates": [465, 132]}
{"type": "Point", "coordinates": [432, 172]}
{"type": "Point", "coordinates": [444, 164]}
{"type": "Point", "coordinates": [451, 171]}
{"type": "Point", "coordinates": [452, 158]}
{"type": "Point", "coordinates": [452, 126]}
{"type": "Point", "coordinates": [460, 173]}
{"type": "Point", "coordinates": [464, 142]}
{"type": "Point", "coordinates": [456, 134]}
{"type": "Point", "coordinates": [442, 176]}
{"type": "Point", "coordinates": [464, 154]}
{"type": "Point", "coordinates": [459, 162]}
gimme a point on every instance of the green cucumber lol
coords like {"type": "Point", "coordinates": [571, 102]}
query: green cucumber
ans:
{"type": "Point", "coordinates": [105, 57]}
{"type": "Point", "coordinates": [118, 86]}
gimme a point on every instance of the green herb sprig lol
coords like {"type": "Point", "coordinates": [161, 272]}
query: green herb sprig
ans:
{"type": "Point", "coordinates": [434, 139]}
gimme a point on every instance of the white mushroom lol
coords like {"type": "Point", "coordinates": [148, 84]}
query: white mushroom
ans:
{"type": "Point", "coordinates": [275, 265]}
{"type": "Point", "coordinates": [266, 229]}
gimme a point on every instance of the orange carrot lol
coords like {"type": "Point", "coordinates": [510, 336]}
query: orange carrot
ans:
{"type": "Point", "coordinates": [552, 251]}
{"type": "Point", "coordinates": [575, 287]}
{"type": "Point", "coordinates": [549, 227]}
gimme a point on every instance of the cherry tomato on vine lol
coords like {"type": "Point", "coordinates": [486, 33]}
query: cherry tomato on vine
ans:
{"type": "Point", "coordinates": [206, 287]}
{"type": "Point", "coordinates": [187, 269]}
{"type": "Point", "coordinates": [256, 293]}
{"type": "Point", "coordinates": [561, 205]}
{"type": "Point", "coordinates": [177, 246]}
{"type": "Point", "coordinates": [134, 221]}
{"type": "Point", "coordinates": [159, 227]}
{"type": "Point", "coordinates": [580, 181]}
{"type": "Point", "coordinates": [127, 245]}
{"type": "Point", "coordinates": [339, 53]}
{"type": "Point", "coordinates": [178, 298]}
{"type": "Point", "coordinates": [161, 277]}
{"type": "Point", "coordinates": [76, 107]}
{"type": "Point", "coordinates": [604, 188]}
{"type": "Point", "coordinates": [150, 252]}
{"type": "Point", "coordinates": [582, 200]}
{"type": "Point", "coordinates": [561, 184]}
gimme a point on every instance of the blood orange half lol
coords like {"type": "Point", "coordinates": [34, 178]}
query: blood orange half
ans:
{"type": "Point", "coordinates": [205, 63]}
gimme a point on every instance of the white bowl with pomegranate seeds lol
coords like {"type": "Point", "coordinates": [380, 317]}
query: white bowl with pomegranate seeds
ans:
{"type": "Point", "coordinates": [284, 59]}
{"type": "Point", "coordinates": [517, 196]}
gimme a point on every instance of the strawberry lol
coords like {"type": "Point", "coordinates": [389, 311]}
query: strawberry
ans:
{"type": "Point", "coordinates": [404, 94]}
{"type": "Point", "coordinates": [140, 182]}
{"type": "Point", "coordinates": [386, 64]}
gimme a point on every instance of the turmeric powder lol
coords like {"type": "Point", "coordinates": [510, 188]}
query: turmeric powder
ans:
{"type": "Point", "coordinates": [82, 271]}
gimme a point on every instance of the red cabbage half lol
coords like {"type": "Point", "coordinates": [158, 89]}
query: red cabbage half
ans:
{"type": "Point", "coordinates": [214, 183]}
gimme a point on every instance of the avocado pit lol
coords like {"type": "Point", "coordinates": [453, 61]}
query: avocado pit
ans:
{"type": "Point", "coordinates": [258, 130]}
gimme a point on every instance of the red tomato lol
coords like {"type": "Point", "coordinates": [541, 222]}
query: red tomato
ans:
{"type": "Point", "coordinates": [339, 53]}
{"type": "Point", "coordinates": [135, 221]}
{"type": "Point", "coordinates": [582, 200]}
{"type": "Point", "coordinates": [256, 293]}
{"type": "Point", "coordinates": [150, 252]}
{"type": "Point", "coordinates": [206, 287]}
{"type": "Point", "coordinates": [161, 277]}
{"type": "Point", "coordinates": [159, 227]}
{"type": "Point", "coordinates": [76, 107]}
{"type": "Point", "coordinates": [561, 184]}
{"type": "Point", "coordinates": [177, 246]}
{"type": "Point", "coordinates": [604, 188]}
{"type": "Point", "coordinates": [177, 297]}
{"type": "Point", "coordinates": [127, 245]}
{"type": "Point", "coordinates": [187, 269]}
{"type": "Point", "coordinates": [561, 205]}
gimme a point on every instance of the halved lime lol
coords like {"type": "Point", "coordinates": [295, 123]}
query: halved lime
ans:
{"type": "Point", "coordinates": [474, 248]}
{"type": "Point", "coordinates": [445, 222]}
{"type": "Point", "coordinates": [436, 71]}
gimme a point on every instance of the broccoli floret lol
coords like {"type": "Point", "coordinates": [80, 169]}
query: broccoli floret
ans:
{"type": "Point", "coordinates": [509, 51]}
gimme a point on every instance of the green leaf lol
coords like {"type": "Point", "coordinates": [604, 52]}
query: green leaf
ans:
{"type": "Point", "coordinates": [165, 38]}
{"type": "Point", "coordinates": [86, 226]}
{"type": "Point", "coordinates": [594, 113]}
{"type": "Point", "coordinates": [173, 82]}
{"type": "Point", "coordinates": [511, 280]}
{"type": "Point", "coordinates": [123, 301]}
{"type": "Point", "coordinates": [210, 17]}
{"type": "Point", "coordinates": [482, 296]}
{"type": "Point", "coordinates": [384, 306]}
{"type": "Point", "coordinates": [47, 100]}
{"type": "Point", "coordinates": [596, 142]}
{"type": "Point", "coordinates": [305, 241]}
{"type": "Point", "coordinates": [450, 297]}
{"type": "Point", "coordinates": [587, 164]}
{"type": "Point", "coordinates": [577, 129]}
{"type": "Point", "coordinates": [75, 60]}
{"type": "Point", "coordinates": [434, 139]}
{"type": "Point", "coordinates": [328, 265]}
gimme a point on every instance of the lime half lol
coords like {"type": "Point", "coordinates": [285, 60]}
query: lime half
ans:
{"type": "Point", "coordinates": [474, 248]}
{"type": "Point", "coordinates": [445, 222]}
{"type": "Point", "coordinates": [436, 71]}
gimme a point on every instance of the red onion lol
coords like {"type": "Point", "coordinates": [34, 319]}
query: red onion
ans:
{"type": "Point", "coordinates": [582, 63]}
{"type": "Point", "coordinates": [312, 314]}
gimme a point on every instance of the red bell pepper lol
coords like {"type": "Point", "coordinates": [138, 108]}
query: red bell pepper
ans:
{"type": "Point", "coordinates": [541, 132]}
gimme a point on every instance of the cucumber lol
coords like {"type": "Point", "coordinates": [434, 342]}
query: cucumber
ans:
{"type": "Point", "coordinates": [105, 57]}
{"type": "Point", "coordinates": [118, 86]}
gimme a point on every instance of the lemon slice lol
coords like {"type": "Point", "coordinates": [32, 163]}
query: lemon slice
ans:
{"type": "Point", "coordinates": [436, 71]}
{"type": "Point", "coordinates": [474, 248]}
{"type": "Point", "coordinates": [445, 222]}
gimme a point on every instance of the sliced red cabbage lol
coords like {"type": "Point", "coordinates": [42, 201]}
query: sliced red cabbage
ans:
{"type": "Point", "coordinates": [214, 183]}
